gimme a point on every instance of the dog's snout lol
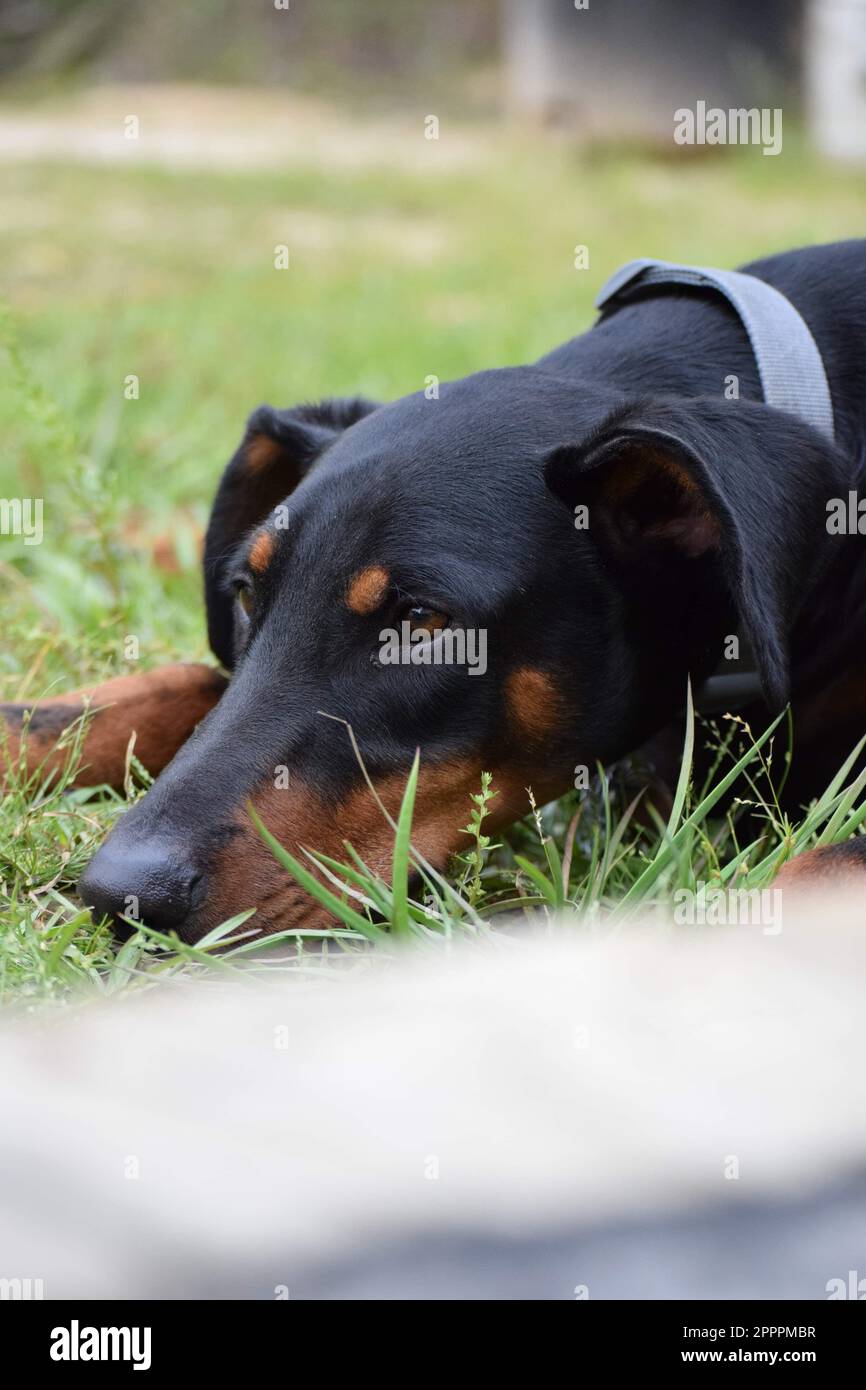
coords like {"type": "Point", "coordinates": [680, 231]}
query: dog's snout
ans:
{"type": "Point", "coordinates": [151, 881]}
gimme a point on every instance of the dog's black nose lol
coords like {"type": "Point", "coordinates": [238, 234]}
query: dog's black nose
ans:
{"type": "Point", "coordinates": [151, 882]}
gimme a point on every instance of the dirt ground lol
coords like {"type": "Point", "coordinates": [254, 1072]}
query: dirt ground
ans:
{"type": "Point", "coordinates": [200, 127]}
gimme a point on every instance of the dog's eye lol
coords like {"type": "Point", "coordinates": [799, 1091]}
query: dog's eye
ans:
{"type": "Point", "coordinates": [427, 620]}
{"type": "Point", "coordinates": [245, 600]}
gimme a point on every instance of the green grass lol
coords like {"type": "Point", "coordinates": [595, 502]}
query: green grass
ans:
{"type": "Point", "coordinates": [616, 868]}
{"type": "Point", "coordinates": [112, 271]}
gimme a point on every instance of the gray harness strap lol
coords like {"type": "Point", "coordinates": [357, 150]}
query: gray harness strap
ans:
{"type": "Point", "coordinates": [789, 363]}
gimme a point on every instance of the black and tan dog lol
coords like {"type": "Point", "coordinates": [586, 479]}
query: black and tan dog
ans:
{"type": "Point", "coordinates": [336, 521]}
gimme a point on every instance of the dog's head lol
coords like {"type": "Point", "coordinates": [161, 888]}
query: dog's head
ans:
{"type": "Point", "coordinates": [408, 573]}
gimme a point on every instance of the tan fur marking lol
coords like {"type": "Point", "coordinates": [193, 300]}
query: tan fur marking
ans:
{"type": "Point", "coordinates": [247, 875]}
{"type": "Point", "coordinates": [534, 703]}
{"type": "Point", "coordinates": [261, 452]}
{"type": "Point", "coordinates": [828, 866]}
{"type": "Point", "coordinates": [638, 469]}
{"type": "Point", "coordinates": [162, 707]}
{"type": "Point", "coordinates": [261, 551]}
{"type": "Point", "coordinates": [368, 589]}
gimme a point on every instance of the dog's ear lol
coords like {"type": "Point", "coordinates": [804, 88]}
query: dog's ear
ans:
{"type": "Point", "coordinates": [737, 480]}
{"type": "Point", "coordinates": [278, 448]}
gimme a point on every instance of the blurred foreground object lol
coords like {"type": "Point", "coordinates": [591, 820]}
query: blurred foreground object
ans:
{"type": "Point", "coordinates": [652, 1113]}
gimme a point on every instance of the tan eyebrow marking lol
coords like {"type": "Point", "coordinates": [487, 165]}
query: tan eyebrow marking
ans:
{"type": "Point", "coordinates": [367, 590]}
{"type": "Point", "coordinates": [261, 551]}
{"type": "Point", "coordinates": [534, 702]}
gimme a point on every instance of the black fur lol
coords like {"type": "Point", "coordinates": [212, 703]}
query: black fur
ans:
{"type": "Point", "coordinates": [461, 498]}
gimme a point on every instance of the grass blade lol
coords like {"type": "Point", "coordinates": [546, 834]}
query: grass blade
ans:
{"type": "Point", "coordinates": [402, 844]}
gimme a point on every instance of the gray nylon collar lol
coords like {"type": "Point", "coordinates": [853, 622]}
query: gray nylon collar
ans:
{"type": "Point", "coordinates": [789, 363]}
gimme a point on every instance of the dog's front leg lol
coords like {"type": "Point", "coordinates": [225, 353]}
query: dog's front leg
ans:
{"type": "Point", "coordinates": [161, 707]}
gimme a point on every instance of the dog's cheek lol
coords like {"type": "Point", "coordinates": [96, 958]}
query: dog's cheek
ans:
{"type": "Point", "coordinates": [535, 707]}
{"type": "Point", "coordinates": [246, 874]}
